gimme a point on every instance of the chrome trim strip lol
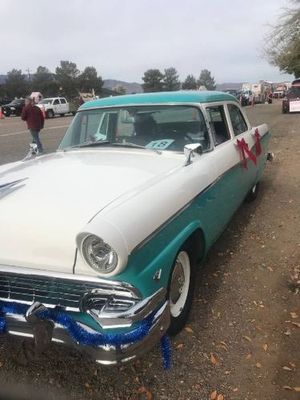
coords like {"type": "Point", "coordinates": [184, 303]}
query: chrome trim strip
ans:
{"type": "Point", "coordinates": [174, 103]}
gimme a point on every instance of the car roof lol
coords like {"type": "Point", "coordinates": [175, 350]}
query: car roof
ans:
{"type": "Point", "coordinates": [188, 96]}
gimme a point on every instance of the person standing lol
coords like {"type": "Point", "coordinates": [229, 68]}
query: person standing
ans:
{"type": "Point", "coordinates": [34, 118]}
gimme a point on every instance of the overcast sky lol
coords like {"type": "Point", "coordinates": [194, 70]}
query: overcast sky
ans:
{"type": "Point", "coordinates": [122, 39]}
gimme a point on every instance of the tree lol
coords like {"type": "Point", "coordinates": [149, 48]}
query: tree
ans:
{"type": "Point", "coordinates": [16, 84]}
{"type": "Point", "coordinates": [45, 82]}
{"type": "Point", "coordinates": [205, 79]}
{"type": "Point", "coordinates": [283, 48]}
{"type": "Point", "coordinates": [66, 76]}
{"type": "Point", "coordinates": [89, 80]}
{"type": "Point", "coordinates": [153, 80]}
{"type": "Point", "coordinates": [171, 80]}
{"type": "Point", "coordinates": [190, 83]}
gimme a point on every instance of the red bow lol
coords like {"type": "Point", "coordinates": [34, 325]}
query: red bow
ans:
{"type": "Point", "coordinates": [244, 149]}
{"type": "Point", "coordinates": [257, 143]}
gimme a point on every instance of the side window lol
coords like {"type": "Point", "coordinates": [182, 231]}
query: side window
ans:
{"type": "Point", "coordinates": [219, 124]}
{"type": "Point", "coordinates": [56, 101]}
{"type": "Point", "coordinates": [237, 120]}
{"type": "Point", "coordinates": [63, 101]}
{"type": "Point", "coordinates": [95, 126]}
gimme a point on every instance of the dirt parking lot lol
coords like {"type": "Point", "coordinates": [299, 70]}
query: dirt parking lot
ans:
{"type": "Point", "coordinates": [242, 339]}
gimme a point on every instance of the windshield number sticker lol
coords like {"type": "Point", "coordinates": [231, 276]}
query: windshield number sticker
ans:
{"type": "Point", "coordinates": [160, 144]}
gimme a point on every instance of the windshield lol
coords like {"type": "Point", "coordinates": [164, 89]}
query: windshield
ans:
{"type": "Point", "coordinates": [153, 127]}
{"type": "Point", "coordinates": [46, 101]}
{"type": "Point", "coordinates": [16, 102]}
{"type": "Point", "coordinates": [294, 91]}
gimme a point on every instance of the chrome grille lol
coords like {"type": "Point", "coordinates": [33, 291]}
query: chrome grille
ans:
{"type": "Point", "coordinates": [55, 291]}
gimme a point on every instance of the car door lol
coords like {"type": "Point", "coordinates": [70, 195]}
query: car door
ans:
{"type": "Point", "coordinates": [56, 106]}
{"type": "Point", "coordinates": [241, 131]}
{"type": "Point", "coordinates": [64, 106]}
{"type": "Point", "coordinates": [232, 179]}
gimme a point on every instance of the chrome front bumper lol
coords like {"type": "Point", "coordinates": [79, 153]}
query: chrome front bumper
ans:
{"type": "Point", "coordinates": [111, 304]}
{"type": "Point", "coordinates": [107, 355]}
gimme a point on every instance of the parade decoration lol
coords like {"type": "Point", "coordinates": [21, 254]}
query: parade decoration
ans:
{"type": "Point", "coordinates": [245, 152]}
{"type": "Point", "coordinates": [84, 337]}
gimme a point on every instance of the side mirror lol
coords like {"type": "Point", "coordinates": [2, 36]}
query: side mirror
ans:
{"type": "Point", "coordinates": [190, 150]}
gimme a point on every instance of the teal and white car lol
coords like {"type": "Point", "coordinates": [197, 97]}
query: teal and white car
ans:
{"type": "Point", "coordinates": [112, 228]}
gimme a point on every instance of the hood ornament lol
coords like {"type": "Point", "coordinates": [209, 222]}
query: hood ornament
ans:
{"type": "Point", "coordinates": [9, 187]}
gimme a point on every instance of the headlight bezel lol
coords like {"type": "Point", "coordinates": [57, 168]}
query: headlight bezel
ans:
{"type": "Point", "coordinates": [96, 251]}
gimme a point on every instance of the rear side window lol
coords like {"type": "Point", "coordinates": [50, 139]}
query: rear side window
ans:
{"type": "Point", "coordinates": [218, 124]}
{"type": "Point", "coordinates": [237, 120]}
{"type": "Point", "coordinates": [63, 101]}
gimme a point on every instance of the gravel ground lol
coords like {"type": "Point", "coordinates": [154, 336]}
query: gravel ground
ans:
{"type": "Point", "coordinates": [242, 339]}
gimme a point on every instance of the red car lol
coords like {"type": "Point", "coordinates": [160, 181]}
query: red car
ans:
{"type": "Point", "coordinates": [291, 102]}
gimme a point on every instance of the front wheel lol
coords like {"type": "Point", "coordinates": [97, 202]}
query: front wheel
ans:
{"type": "Point", "coordinates": [252, 194]}
{"type": "Point", "coordinates": [180, 291]}
{"type": "Point", "coordinates": [49, 114]}
{"type": "Point", "coordinates": [6, 111]}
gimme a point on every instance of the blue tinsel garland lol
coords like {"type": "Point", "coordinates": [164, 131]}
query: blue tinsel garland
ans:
{"type": "Point", "coordinates": [87, 338]}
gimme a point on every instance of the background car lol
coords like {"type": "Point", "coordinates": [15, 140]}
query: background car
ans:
{"type": "Point", "coordinates": [15, 107]}
{"type": "Point", "coordinates": [243, 98]}
{"type": "Point", "coordinates": [291, 102]}
{"type": "Point", "coordinates": [4, 100]}
{"type": "Point", "coordinates": [57, 106]}
{"type": "Point", "coordinates": [233, 92]}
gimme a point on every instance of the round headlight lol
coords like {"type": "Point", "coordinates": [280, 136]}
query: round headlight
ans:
{"type": "Point", "coordinates": [99, 255]}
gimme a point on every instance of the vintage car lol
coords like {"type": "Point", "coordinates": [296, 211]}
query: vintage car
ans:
{"type": "Point", "coordinates": [105, 236]}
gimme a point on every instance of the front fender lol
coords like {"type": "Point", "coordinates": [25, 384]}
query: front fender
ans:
{"type": "Point", "coordinates": [156, 257]}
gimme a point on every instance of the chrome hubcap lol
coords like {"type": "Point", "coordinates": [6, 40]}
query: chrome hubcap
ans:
{"type": "Point", "coordinates": [180, 283]}
{"type": "Point", "coordinates": [177, 282]}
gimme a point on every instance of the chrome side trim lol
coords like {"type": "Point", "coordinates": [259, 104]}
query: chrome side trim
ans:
{"type": "Point", "coordinates": [171, 103]}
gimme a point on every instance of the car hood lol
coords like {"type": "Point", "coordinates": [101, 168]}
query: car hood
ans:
{"type": "Point", "coordinates": [45, 202]}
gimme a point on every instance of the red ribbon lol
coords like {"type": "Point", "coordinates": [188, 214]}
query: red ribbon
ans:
{"type": "Point", "coordinates": [245, 152]}
{"type": "Point", "coordinates": [257, 143]}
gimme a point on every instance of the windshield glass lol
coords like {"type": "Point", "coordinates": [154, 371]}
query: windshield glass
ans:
{"type": "Point", "coordinates": [46, 101]}
{"type": "Point", "coordinates": [153, 127]}
{"type": "Point", "coordinates": [294, 91]}
{"type": "Point", "coordinates": [16, 102]}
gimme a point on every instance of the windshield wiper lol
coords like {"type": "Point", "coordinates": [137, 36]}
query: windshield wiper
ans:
{"type": "Point", "coordinates": [101, 142]}
{"type": "Point", "coordinates": [89, 144]}
{"type": "Point", "coordinates": [134, 145]}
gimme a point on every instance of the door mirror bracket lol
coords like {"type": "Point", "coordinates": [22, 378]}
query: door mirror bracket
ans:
{"type": "Point", "coordinates": [190, 150]}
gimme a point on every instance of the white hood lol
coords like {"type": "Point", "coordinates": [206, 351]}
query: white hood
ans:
{"type": "Point", "coordinates": [56, 195]}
